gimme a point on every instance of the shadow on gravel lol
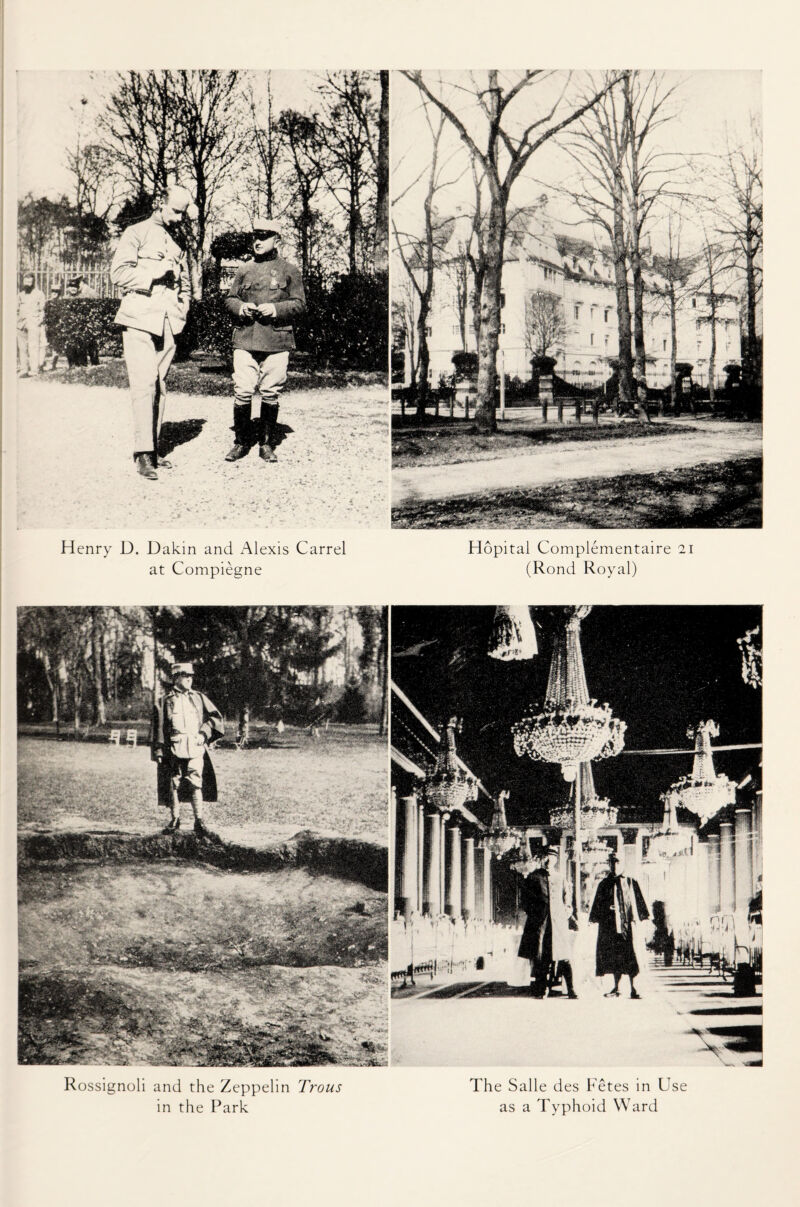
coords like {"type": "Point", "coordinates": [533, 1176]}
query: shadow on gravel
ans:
{"type": "Point", "coordinates": [175, 434]}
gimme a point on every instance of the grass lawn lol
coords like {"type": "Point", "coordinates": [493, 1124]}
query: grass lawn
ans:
{"type": "Point", "coordinates": [175, 961]}
{"type": "Point", "coordinates": [336, 784]}
{"type": "Point", "coordinates": [727, 495]}
{"type": "Point", "coordinates": [209, 375]}
{"type": "Point", "coordinates": [447, 443]}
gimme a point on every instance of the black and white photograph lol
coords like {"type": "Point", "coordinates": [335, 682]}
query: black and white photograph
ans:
{"type": "Point", "coordinates": [202, 298]}
{"type": "Point", "coordinates": [202, 859]}
{"type": "Point", "coordinates": [576, 299]}
{"type": "Point", "coordinates": [577, 836]}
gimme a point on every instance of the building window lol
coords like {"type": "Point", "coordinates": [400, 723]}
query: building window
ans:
{"type": "Point", "coordinates": [606, 315]}
{"type": "Point", "coordinates": [664, 345]}
{"type": "Point", "coordinates": [698, 324]}
{"type": "Point", "coordinates": [502, 328]}
{"type": "Point", "coordinates": [502, 300]}
{"type": "Point", "coordinates": [429, 330]}
{"type": "Point", "coordinates": [456, 329]}
{"type": "Point", "coordinates": [605, 342]}
{"type": "Point", "coordinates": [577, 311]}
{"type": "Point", "coordinates": [694, 303]}
{"type": "Point", "coordinates": [591, 337]}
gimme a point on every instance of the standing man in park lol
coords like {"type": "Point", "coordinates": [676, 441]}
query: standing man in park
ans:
{"type": "Point", "coordinates": [185, 724]}
{"type": "Point", "coordinates": [547, 937]}
{"type": "Point", "coordinates": [151, 267]}
{"type": "Point", "coordinates": [618, 908]}
{"type": "Point", "coordinates": [265, 295]}
{"type": "Point", "coordinates": [30, 327]}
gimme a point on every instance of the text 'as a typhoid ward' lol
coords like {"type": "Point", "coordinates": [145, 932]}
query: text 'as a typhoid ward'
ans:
{"type": "Point", "coordinates": [214, 560]}
{"type": "Point", "coordinates": [560, 1097]}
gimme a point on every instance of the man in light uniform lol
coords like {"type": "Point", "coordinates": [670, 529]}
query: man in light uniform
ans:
{"type": "Point", "coordinates": [185, 723]}
{"type": "Point", "coordinates": [30, 327]}
{"type": "Point", "coordinates": [151, 267]}
{"type": "Point", "coordinates": [265, 295]}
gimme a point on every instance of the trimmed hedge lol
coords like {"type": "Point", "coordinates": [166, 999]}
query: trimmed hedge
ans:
{"type": "Point", "coordinates": [345, 326]}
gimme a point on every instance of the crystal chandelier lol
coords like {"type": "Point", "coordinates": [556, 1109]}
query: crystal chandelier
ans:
{"type": "Point", "coordinates": [596, 812]}
{"type": "Point", "coordinates": [704, 792]}
{"type": "Point", "coordinates": [448, 785]}
{"type": "Point", "coordinates": [752, 659]}
{"type": "Point", "coordinates": [500, 837]}
{"type": "Point", "coordinates": [670, 841]}
{"type": "Point", "coordinates": [521, 860]}
{"type": "Point", "coordinates": [513, 636]}
{"type": "Point", "coordinates": [569, 728]}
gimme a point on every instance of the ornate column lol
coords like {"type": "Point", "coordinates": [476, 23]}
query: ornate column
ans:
{"type": "Point", "coordinates": [392, 851]}
{"type": "Point", "coordinates": [727, 887]}
{"type": "Point", "coordinates": [408, 856]}
{"type": "Point", "coordinates": [743, 863]}
{"type": "Point", "coordinates": [420, 853]}
{"type": "Point", "coordinates": [452, 903]}
{"type": "Point", "coordinates": [432, 882]}
{"type": "Point", "coordinates": [488, 911]}
{"type": "Point", "coordinates": [468, 878]}
{"type": "Point", "coordinates": [757, 837]}
{"type": "Point", "coordinates": [714, 896]}
{"type": "Point", "coordinates": [703, 881]}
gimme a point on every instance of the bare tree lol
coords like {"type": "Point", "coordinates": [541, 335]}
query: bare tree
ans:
{"type": "Point", "coordinates": [381, 252]}
{"type": "Point", "coordinates": [501, 150]}
{"type": "Point", "coordinates": [350, 131]}
{"type": "Point", "coordinates": [267, 146]}
{"type": "Point", "coordinates": [545, 325]}
{"type": "Point", "coordinates": [304, 141]}
{"type": "Point", "coordinates": [421, 253]}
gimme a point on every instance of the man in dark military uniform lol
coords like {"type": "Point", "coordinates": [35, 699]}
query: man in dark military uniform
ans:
{"type": "Point", "coordinates": [618, 908]}
{"type": "Point", "coordinates": [265, 295]}
{"type": "Point", "coordinates": [185, 723]}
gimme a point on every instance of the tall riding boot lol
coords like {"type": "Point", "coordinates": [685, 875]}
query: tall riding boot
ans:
{"type": "Point", "coordinates": [242, 432]}
{"type": "Point", "coordinates": [174, 822]}
{"type": "Point", "coordinates": [267, 431]}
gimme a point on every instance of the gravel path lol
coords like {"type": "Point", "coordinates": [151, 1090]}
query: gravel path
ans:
{"type": "Point", "coordinates": [710, 442]}
{"type": "Point", "coordinates": [76, 470]}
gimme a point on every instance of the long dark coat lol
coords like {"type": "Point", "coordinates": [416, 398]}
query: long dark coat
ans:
{"type": "Point", "coordinates": [160, 752]}
{"type": "Point", "coordinates": [616, 929]}
{"type": "Point", "coordinates": [546, 937]}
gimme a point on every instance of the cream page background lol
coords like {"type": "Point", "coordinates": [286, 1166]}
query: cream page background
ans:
{"type": "Point", "coordinates": [397, 1135]}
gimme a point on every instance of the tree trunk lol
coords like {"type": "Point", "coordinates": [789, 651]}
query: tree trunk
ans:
{"type": "Point", "coordinates": [624, 360]}
{"type": "Point", "coordinates": [97, 670]}
{"type": "Point", "coordinates": [673, 350]}
{"type": "Point", "coordinates": [489, 337]}
{"type": "Point", "coordinates": [382, 200]}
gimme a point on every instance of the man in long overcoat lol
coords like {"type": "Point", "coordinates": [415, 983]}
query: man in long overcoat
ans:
{"type": "Point", "coordinates": [618, 908]}
{"type": "Point", "coordinates": [265, 295]}
{"type": "Point", "coordinates": [150, 265]}
{"type": "Point", "coordinates": [547, 937]}
{"type": "Point", "coordinates": [185, 724]}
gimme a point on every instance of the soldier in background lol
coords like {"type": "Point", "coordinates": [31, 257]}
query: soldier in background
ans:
{"type": "Point", "coordinates": [30, 327]}
{"type": "Point", "coordinates": [185, 725]}
{"type": "Point", "coordinates": [265, 295]}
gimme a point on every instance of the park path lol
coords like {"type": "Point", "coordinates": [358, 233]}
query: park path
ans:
{"type": "Point", "coordinates": [709, 442]}
{"type": "Point", "coordinates": [75, 468]}
{"type": "Point", "coordinates": [686, 1017]}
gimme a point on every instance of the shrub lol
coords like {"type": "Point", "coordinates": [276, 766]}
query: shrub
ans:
{"type": "Point", "coordinates": [74, 325]}
{"type": "Point", "coordinates": [465, 364]}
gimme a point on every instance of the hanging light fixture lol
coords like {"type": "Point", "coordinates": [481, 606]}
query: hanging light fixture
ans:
{"type": "Point", "coordinates": [752, 658]}
{"type": "Point", "coordinates": [521, 860]}
{"type": "Point", "coordinates": [500, 837]}
{"type": "Point", "coordinates": [670, 841]}
{"type": "Point", "coordinates": [704, 792]}
{"type": "Point", "coordinates": [595, 812]}
{"type": "Point", "coordinates": [448, 785]}
{"type": "Point", "coordinates": [513, 636]}
{"type": "Point", "coordinates": [569, 728]}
